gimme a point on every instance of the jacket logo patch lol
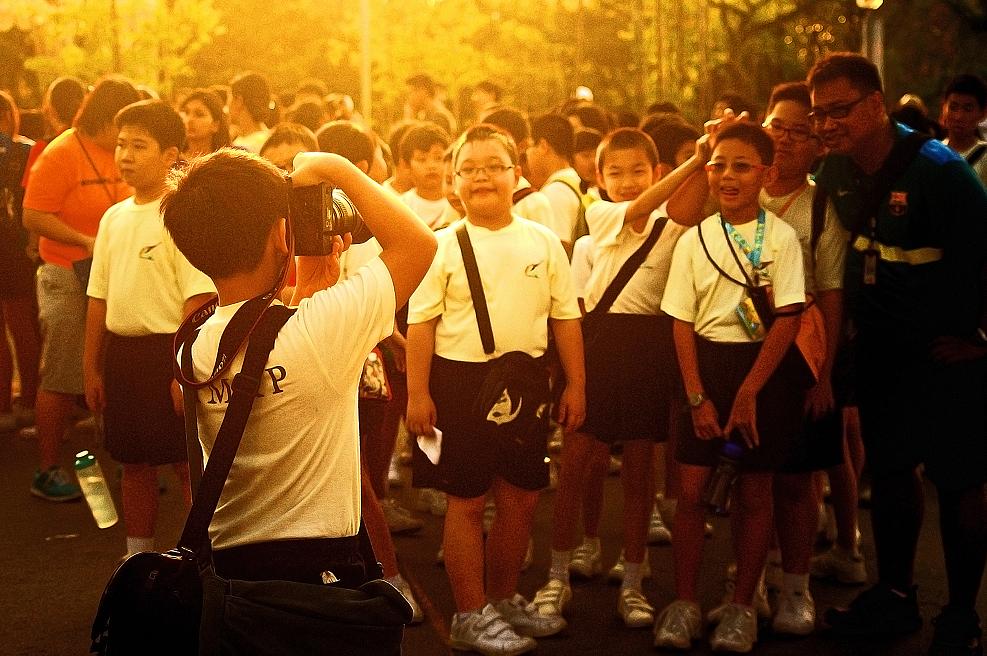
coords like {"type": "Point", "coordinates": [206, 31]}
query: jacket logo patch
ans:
{"type": "Point", "coordinates": [898, 204]}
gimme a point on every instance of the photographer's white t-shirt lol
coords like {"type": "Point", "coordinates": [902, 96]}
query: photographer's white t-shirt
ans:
{"type": "Point", "coordinates": [297, 472]}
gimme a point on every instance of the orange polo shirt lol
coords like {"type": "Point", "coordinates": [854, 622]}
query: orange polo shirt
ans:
{"type": "Point", "coordinates": [65, 183]}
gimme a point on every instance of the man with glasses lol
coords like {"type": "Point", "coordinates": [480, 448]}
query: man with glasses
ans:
{"type": "Point", "coordinates": [917, 218]}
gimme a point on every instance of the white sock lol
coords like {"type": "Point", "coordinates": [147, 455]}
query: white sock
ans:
{"type": "Point", "coordinates": [137, 545]}
{"type": "Point", "coordinates": [632, 575]}
{"type": "Point", "coordinates": [560, 565]}
{"type": "Point", "coordinates": [795, 582]}
{"type": "Point", "coordinates": [397, 581]}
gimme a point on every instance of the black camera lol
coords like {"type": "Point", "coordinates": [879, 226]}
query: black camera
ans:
{"type": "Point", "coordinates": [321, 212]}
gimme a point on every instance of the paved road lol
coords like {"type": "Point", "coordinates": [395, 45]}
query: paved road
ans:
{"type": "Point", "coordinates": [55, 563]}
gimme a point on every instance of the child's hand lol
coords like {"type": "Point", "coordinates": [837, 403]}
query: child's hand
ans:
{"type": "Point", "coordinates": [572, 409]}
{"type": "Point", "coordinates": [717, 124]}
{"type": "Point", "coordinates": [819, 401]}
{"type": "Point", "coordinates": [743, 418]}
{"type": "Point", "coordinates": [705, 421]}
{"type": "Point", "coordinates": [420, 419]}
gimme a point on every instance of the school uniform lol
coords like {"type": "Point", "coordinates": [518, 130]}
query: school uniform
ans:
{"type": "Point", "coordinates": [629, 372]}
{"type": "Point", "coordinates": [699, 294]}
{"type": "Point", "coordinates": [145, 281]}
{"type": "Point", "coordinates": [526, 281]}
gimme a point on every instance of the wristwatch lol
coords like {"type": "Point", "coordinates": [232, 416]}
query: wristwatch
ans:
{"type": "Point", "coordinates": [696, 400]}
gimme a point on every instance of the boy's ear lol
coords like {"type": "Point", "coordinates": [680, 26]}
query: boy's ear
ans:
{"type": "Point", "coordinates": [281, 235]}
{"type": "Point", "coordinates": [363, 165]}
{"type": "Point", "coordinates": [658, 173]}
{"type": "Point", "coordinates": [171, 154]}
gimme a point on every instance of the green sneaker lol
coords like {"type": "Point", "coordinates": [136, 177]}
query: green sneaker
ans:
{"type": "Point", "coordinates": [54, 485]}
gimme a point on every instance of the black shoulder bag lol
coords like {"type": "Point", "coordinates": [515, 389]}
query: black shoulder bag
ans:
{"type": "Point", "coordinates": [592, 322]}
{"type": "Point", "coordinates": [515, 391]}
{"type": "Point", "coordinates": [153, 603]}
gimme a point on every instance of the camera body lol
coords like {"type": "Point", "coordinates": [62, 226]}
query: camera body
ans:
{"type": "Point", "coordinates": [318, 214]}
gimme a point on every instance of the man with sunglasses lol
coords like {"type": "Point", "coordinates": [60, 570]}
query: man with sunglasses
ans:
{"type": "Point", "coordinates": [917, 218]}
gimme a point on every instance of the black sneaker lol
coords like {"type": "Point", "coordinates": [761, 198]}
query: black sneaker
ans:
{"type": "Point", "coordinates": [877, 612]}
{"type": "Point", "coordinates": [958, 633]}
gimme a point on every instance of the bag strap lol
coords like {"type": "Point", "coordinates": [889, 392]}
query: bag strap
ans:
{"type": "Point", "coordinates": [476, 289]}
{"type": "Point", "coordinates": [629, 268]}
{"type": "Point", "coordinates": [745, 285]}
{"type": "Point", "coordinates": [92, 164]}
{"type": "Point", "coordinates": [974, 156]}
{"type": "Point", "coordinates": [245, 385]}
{"type": "Point", "coordinates": [819, 201]}
{"type": "Point", "coordinates": [190, 396]}
{"type": "Point", "coordinates": [521, 194]}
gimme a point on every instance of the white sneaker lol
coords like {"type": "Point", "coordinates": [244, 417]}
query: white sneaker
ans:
{"type": "Point", "coordinates": [678, 625]}
{"type": "Point", "coordinates": [736, 628]}
{"type": "Point", "coordinates": [398, 519]}
{"type": "Point", "coordinates": [616, 573]}
{"type": "Point", "coordinates": [525, 619]}
{"type": "Point", "coordinates": [487, 632]}
{"type": "Point", "coordinates": [585, 561]}
{"type": "Point", "coordinates": [551, 600]}
{"type": "Point", "coordinates": [774, 575]}
{"type": "Point", "coordinates": [760, 600]}
{"type": "Point", "coordinates": [634, 609]}
{"type": "Point", "coordinates": [796, 613]}
{"type": "Point", "coordinates": [837, 564]}
{"type": "Point", "coordinates": [394, 476]}
{"type": "Point", "coordinates": [658, 533]}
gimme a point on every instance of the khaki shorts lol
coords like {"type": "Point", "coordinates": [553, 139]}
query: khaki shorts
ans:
{"type": "Point", "coordinates": [62, 315]}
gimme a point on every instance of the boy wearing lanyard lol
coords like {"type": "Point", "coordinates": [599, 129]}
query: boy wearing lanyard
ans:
{"type": "Point", "coordinates": [743, 382]}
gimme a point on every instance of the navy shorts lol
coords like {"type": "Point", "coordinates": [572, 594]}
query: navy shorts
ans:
{"type": "Point", "coordinates": [471, 457]}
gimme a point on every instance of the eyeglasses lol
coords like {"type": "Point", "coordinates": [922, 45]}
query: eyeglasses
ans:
{"type": "Point", "coordinates": [493, 170]}
{"type": "Point", "coordinates": [819, 115]}
{"type": "Point", "coordinates": [798, 134]}
{"type": "Point", "coordinates": [740, 168]}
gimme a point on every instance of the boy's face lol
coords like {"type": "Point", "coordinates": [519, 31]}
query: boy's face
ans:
{"type": "Point", "coordinates": [626, 173]}
{"type": "Point", "coordinates": [142, 163]}
{"type": "Point", "coordinates": [487, 192]}
{"type": "Point", "coordinates": [736, 175]}
{"type": "Point", "coordinates": [449, 187]}
{"type": "Point", "coordinates": [796, 147]}
{"type": "Point", "coordinates": [426, 170]}
{"type": "Point", "coordinates": [961, 114]}
{"type": "Point", "coordinates": [584, 162]}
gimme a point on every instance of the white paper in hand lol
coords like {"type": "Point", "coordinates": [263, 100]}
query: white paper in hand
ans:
{"type": "Point", "coordinates": [431, 445]}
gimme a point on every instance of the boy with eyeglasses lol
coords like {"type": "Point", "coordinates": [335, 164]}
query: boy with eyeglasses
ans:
{"type": "Point", "coordinates": [914, 288]}
{"type": "Point", "coordinates": [744, 382]}
{"type": "Point", "coordinates": [526, 281]}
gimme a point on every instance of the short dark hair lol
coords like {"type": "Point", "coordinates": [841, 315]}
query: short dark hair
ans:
{"type": "Point", "coordinates": [158, 119]}
{"type": "Point", "coordinates": [736, 102]}
{"type": "Point", "coordinates": [290, 133]}
{"type": "Point", "coordinates": [586, 139]}
{"type": "Point", "coordinates": [252, 87]}
{"type": "Point", "coordinates": [486, 132]}
{"type": "Point", "coordinates": [752, 135]}
{"type": "Point", "coordinates": [514, 121]}
{"type": "Point", "coordinates": [220, 210]}
{"type": "Point", "coordinates": [346, 138]}
{"type": "Point", "coordinates": [557, 131]}
{"type": "Point", "coordinates": [663, 106]}
{"type": "Point", "coordinates": [311, 114]}
{"type": "Point", "coordinates": [591, 116]}
{"type": "Point", "coordinates": [314, 86]}
{"type": "Point", "coordinates": [968, 84]}
{"type": "Point", "coordinates": [396, 134]}
{"type": "Point", "coordinates": [422, 81]}
{"type": "Point", "coordinates": [9, 106]}
{"type": "Point", "coordinates": [64, 96]}
{"type": "Point", "coordinates": [422, 137]}
{"type": "Point", "coordinates": [796, 92]}
{"type": "Point", "coordinates": [626, 139]}
{"type": "Point", "coordinates": [492, 88]}
{"type": "Point", "coordinates": [668, 132]}
{"type": "Point", "coordinates": [859, 71]}
{"type": "Point", "coordinates": [112, 93]}
{"type": "Point", "coordinates": [212, 102]}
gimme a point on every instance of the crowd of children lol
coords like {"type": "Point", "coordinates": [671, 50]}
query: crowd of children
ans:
{"type": "Point", "coordinates": [753, 305]}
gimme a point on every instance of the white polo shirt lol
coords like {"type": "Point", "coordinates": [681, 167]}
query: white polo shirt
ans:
{"type": "Point", "coordinates": [696, 292]}
{"type": "Point", "coordinates": [526, 280]}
